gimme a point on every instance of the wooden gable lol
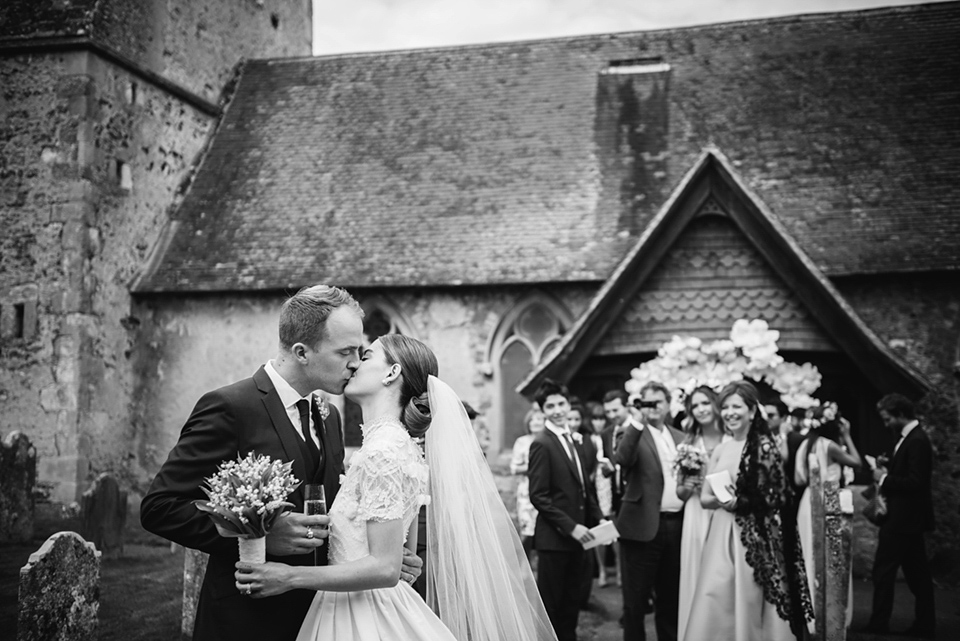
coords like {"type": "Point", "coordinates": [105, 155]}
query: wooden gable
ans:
{"type": "Point", "coordinates": [712, 254]}
{"type": "Point", "coordinates": [711, 277]}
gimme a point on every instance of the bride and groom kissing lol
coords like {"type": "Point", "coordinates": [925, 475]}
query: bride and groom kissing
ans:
{"type": "Point", "coordinates": [477, 576]}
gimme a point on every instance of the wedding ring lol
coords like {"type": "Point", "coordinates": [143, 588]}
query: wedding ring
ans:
{"type": "Point", "coordinates": [248, 590]}
{"type": "Point", "coordinates": [309, 532]}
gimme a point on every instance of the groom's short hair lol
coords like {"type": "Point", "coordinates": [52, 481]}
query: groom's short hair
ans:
{"type": "Point", "coordinates": [303, 316]}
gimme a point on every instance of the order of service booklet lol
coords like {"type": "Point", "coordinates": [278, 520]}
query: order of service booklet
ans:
{"type": "Point", "coordinates": [604, 533]}
{"type": "Point", "coordinates": [718, 483]}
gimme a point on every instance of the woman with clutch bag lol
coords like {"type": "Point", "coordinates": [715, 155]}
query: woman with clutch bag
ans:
{"type": "Point", "coordinates": [752, 582]}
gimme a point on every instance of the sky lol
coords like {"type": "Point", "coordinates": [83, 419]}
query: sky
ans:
{"type": "Point", "coordinates": [346, 26]}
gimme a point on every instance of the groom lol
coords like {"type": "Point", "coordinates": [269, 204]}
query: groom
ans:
{"type": "Point", "coordinates": [272, 413]}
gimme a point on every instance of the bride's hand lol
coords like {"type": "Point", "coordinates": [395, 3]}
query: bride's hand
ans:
{"type": "Point", "coordinates": [259, 580]}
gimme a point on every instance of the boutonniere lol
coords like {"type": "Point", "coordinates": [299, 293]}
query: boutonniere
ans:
{"type": "Point", "coordinates": [322, 407]}
{"type": "Point", "coordinates": [577, 438]}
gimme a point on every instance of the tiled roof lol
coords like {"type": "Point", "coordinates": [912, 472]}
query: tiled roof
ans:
{"type": "Point", "coordinates": [519, 162]}
{"type": "Point", "coordinates": [46, 18]}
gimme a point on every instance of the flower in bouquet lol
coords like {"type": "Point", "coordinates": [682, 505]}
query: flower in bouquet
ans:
{"type": "Point", "coordinates": [246, 496]}
{"type": "Point", "coordinates": [690, 461]}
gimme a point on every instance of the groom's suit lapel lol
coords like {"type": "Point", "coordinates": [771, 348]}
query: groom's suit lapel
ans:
{"type": "Point", "coordinates": [281, 424]}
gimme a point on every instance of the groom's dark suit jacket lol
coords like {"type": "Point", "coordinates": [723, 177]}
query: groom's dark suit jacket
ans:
{"type": "Point", "coordinates": [247, 416]}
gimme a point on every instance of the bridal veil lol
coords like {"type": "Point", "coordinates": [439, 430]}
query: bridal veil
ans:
{"type": "Point", "coordinates": [478, 579]}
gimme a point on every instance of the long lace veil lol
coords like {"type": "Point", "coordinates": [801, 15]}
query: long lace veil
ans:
{"type": "Point", "coordinates": [478, 579]}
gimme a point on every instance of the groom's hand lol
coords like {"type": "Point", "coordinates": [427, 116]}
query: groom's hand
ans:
{"type": "Point", "coordinates": [295, 533]}
{"type": "Point", "coordinates": [410, 566]}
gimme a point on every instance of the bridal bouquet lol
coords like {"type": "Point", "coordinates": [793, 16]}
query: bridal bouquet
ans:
{"type": "Point", "coordinates": [246, 496]}
{"type": "Point", "coordinates": [690, 461]}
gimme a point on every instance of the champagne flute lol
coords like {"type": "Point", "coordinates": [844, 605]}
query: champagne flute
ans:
{"type": "Point", "coordinates": [314, 502]}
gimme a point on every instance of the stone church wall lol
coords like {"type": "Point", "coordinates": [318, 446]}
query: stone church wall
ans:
{"type": "Point", "coordinates": [93, 157]}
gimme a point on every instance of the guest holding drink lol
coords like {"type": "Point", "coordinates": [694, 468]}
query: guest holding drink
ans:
{"type": "Point", "coordinates": [704, 432]}
{"type": "Point", "coordinates": [752, 581]}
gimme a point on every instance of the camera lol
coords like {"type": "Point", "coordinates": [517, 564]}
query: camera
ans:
{"type": "Point", "coordinates": [637, 403]}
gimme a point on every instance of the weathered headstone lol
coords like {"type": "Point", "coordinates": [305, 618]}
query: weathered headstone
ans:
{"type": "Point", "coordinates": [103, 511]}
{"type": "Point", "coordinates": [831, 511]}
{"type": "Point", "coordinates": [60, 591]}
{"type": "Point", "coordinates": [194, 569]}
{"type": "Point", "coordinates": [18, 478]}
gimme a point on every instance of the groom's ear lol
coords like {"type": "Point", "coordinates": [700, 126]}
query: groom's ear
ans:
{"type": "Point", "coordinates": [299, 351]}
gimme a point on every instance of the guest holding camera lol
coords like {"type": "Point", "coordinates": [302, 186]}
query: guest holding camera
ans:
{"type": "Point", "coordinates": [651, 515]}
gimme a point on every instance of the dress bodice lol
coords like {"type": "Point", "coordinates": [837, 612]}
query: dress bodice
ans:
{"type": "Point", "coordinates": [387, 480]}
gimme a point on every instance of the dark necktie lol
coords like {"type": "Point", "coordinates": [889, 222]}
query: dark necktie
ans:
{"type": "Point", "coordinates": [572, 453]}
{"type": "Point", "coordinates": [303, 406]}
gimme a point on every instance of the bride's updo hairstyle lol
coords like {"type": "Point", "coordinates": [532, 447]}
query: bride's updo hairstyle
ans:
{"type": "Point", "coordinates": [416, 363]}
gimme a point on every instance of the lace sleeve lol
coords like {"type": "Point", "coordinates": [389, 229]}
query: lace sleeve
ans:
{"type": "Point", "coordinates": [387, 486]}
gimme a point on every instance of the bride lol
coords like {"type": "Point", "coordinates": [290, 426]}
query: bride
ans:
{"type": "Point", "coordinates": [478, 579]}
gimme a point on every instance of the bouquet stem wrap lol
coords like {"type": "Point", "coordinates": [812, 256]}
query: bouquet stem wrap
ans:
{"type": "Point", "coordinates": [253, 550]}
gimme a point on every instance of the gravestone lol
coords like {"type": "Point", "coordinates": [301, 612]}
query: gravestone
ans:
{"type": "Point", "coordinates": [60, 591]}
{"type": "Point", "coordinates": [103, 511]}
{"type": "Point", "coordinates": [18, 478]}
{"type": "Point", "coordinates": [194, 569]}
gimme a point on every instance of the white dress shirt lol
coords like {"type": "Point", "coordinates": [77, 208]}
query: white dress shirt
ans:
{"type": "Point", "coordinates": [667, 449]}
{"type": "Point", "coordinates": [562, 433]}
{"type": "Point", "coordinates": [289, 397]}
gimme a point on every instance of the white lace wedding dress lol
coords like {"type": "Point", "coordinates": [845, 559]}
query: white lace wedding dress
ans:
{"type": "Point", "coordinates": [387, 480]}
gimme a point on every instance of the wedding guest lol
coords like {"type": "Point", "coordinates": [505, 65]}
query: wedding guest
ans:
{"type": "Point", "coordinates": [704, 432]}
{"type": "Point", "coordinates": [603, 482]}
{"type": "Point", "coordinates": [651, 516]}
{"type": "Point", "coordinates": [519, 463]}
{"type": "Point", "coordinates": [752, 582]}
{"type": "Point", "coordinates": [906, 486]}
{"type": "Point", "coordinates": [829, 442]}
{"type": "Point", "coordinates": [566, 510]}
{"type": "Point", "coordinates": [615, 410]}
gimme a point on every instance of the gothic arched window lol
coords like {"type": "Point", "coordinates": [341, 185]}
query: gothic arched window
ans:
{"type": "Point", "coordinates": [525, 335]}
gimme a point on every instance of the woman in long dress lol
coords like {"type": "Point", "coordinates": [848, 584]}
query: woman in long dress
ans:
{"type": "Point", "coordinates": [477, 576]}
{"type": "Point", "coordinates": [752, 583]}
{"type": "Point", "coordinates": [705, 432]}
{"type": "Point", "coordinates": [602, 482]}
{"type": "Point", "coordinates": [830, 442]}
{"type": "Point", "coordinates": [534, 421]}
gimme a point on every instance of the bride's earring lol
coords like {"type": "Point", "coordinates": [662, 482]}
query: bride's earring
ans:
{"type": "Point", "coordinates": [386, 382]}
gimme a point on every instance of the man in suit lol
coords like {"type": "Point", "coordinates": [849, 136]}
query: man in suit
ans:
{"type": "Point", "coordinates": [651, 515]}
{"type": "Point", "coordinates": [566, 509]}
{"type": "Point", "coordinates": [906, 486]}
{"type": "Point", "coordinates": [273, 413]}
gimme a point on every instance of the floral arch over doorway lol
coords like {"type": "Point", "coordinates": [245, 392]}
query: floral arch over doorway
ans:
{"type": "Point", "coordinates": [525, 335]}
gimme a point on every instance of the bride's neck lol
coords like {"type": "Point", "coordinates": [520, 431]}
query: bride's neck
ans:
{"type": "Point", "coordinates": [372, 409]}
